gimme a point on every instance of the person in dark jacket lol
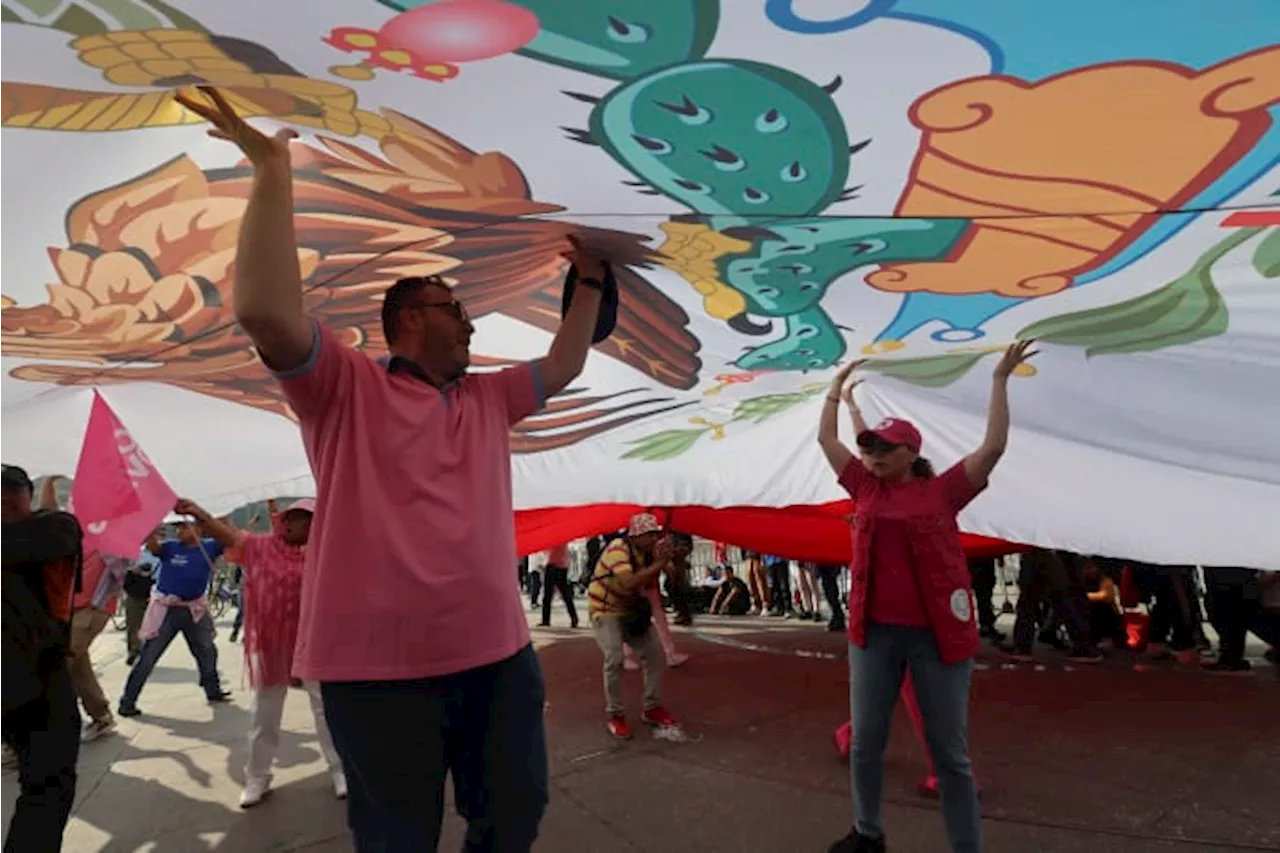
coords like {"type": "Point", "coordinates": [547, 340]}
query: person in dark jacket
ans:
{"type": "Point", "coordinates": [42, 555]}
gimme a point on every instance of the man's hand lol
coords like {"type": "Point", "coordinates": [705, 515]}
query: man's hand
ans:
{"type": "Point", "coordinates": [227, 124]}
{"type": "Point", "coordinates": [590, 264]}
{"type": "Point", "coordinates": [185, 506]}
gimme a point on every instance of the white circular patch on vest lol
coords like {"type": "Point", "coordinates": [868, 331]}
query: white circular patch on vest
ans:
{"type": "Point", "coordinates": [961, 608]}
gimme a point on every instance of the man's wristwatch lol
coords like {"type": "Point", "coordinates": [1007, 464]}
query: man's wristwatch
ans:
{"type": "Point", "coordinates": [592, 282]}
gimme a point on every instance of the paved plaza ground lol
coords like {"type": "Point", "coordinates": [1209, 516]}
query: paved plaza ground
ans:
{"type": "Point", "coordinates": [1117, 757]}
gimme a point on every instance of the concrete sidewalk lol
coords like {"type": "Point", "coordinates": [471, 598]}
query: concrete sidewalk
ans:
{"type": "Point", "coordinates": [1117, 757]}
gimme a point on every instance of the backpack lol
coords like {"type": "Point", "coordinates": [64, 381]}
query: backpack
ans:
{"type": "Point", "coordinates": [35, 644]}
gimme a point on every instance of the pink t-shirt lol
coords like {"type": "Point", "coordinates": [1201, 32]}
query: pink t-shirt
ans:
{"type": "Point", "coordinates": [894, 595]}
{"type": "Point", "coordinates": [409, 570]}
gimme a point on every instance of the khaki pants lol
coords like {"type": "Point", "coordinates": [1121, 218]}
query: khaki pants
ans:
{"type": "Point", "coordinates": [609, 638]}
{"type": "Point", "coordinates": [86, 625]}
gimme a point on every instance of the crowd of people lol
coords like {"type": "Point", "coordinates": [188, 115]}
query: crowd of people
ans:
{"type": "Point", "coordinates": [390, 598]}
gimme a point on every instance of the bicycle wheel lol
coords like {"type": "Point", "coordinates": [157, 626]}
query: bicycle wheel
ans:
{"type": "Point", "coordinates": [218, 604]}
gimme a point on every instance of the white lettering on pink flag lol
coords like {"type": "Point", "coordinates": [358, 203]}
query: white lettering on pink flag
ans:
{"type": "Point", "coordinates": [117, 493]}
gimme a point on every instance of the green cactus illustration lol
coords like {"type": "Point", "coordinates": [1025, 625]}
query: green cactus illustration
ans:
{"type": "Point", "coordinates": [794, 262]}
{"type": "Point", "coordinates": [812, 341]}
{"type": "Point", "coordinates": [621, 39]}
{"type": "Point", "coordinates": [728, 137]}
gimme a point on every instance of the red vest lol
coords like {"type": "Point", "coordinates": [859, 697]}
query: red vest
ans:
{"type": "Point", "coordinates": [942, 575]}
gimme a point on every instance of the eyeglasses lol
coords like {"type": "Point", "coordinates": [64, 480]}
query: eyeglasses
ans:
{"type": "Point", "coordinates": [877, 446]}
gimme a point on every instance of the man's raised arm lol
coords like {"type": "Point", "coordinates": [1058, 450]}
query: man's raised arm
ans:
{"type": "Point", "coordinates": [267, 293]}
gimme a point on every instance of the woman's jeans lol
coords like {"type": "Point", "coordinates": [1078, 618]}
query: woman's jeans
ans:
{"type": "Point", "coordinates": [875, 680]}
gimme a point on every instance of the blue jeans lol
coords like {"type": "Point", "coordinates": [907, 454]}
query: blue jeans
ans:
{"type": "Point", "coordinates": [875, 680]}
{"type": "Point", "coordinates": [199, 637]}
{"type": "Point", "coordinates": [399, 739]}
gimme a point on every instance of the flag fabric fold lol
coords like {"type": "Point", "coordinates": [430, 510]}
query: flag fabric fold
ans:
{"type": "Point", "coordinates": [118, 494]}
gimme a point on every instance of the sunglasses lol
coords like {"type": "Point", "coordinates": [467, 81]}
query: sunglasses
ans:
{"type": "Point", "coordinates": [453, 308]}
{"type": "Point", "coordinates": [876, 445]}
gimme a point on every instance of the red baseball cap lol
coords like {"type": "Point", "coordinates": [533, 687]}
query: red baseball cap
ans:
{"type": "Point", "coordinates": [895, 431]}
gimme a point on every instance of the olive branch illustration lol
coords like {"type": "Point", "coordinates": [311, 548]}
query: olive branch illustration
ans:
{"type": "Point", "coordinates": [670, 443]}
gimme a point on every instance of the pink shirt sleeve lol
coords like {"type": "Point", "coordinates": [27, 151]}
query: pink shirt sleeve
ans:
{"type": "Point", "coordinates": [854, 476]}
{"type": "Point", "coordinates": [247, 549]}
{"type": "Point", "coordinates": [957, 489]}
{"type": "Point", "coordinates": [517, 390]}
{"type": "Point", "coordinates": [326, 374]}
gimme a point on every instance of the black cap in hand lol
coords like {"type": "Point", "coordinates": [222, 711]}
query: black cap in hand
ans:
{"type": "Point", "coordinates": [607, 319]}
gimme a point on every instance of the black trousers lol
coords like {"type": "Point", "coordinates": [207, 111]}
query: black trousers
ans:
{"type": "Point", "coordinates": [1233, 603]}
{"type": "Point", "coordinates": [829, 577]}
{"type": "Point", "coordinates": [983, 573]}
{"type": "Point", "coordinates": [680, 594]}
{"type": "Point", "coordinates": [558, 580]}
{"type": "Point", "coordinates": [45, 734]}
{"type": "Point", "coordinates": [398, 740]}
{"type": "Point", "coordinates": [1048, 576]}
{"type": "Point", "coordinates": [1171, 618]}
{"type": "Point", "coordinates": [780, 586]}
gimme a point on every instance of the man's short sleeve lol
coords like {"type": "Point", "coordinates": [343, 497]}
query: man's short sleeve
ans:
{"type": "Point", "coordinates": [957, 489]}
{"type": "Point", "coordinates": [212, 547]}
{"type": "Point", "coordinates": [312, 386]}
{"type": "Point", "coordinates": [854, 476]}
{"type": "Point", "coordinates": [517, 390]}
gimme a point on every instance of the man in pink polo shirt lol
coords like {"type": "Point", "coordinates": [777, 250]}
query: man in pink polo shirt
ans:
{"type": "Point", "coordinates": [409, 621]}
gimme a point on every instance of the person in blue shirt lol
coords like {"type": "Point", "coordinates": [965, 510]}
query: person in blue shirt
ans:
{"type": "Point", "coordinates": [178, 606]}
{"type": "Point", "coordinates": [138, 582]}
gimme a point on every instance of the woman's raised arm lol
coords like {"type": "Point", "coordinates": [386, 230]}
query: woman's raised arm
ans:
{"type": "Point", "coordinates": [979, 464]}
{"type": "Point", "coordinates": [838, 455]}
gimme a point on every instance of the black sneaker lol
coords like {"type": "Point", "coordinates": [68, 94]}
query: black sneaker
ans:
{"type": "Point", "coordinates": [128, 710]}
{"type": "Point", "coordinates": [1221, 667]}
{"type": "Point", "coordinates": [1085, 654]}
{"type": "Point", "coordinates": [855, 843]}
{"type": "Point", "coordinates": [220, 696]}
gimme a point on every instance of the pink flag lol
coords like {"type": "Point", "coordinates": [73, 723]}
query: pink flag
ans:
{"type": "Point", "coordinates": [117, 493]}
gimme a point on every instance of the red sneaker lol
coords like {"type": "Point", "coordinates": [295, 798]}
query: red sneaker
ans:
{"type": "Point", "coordinates": [928, 787]}
{"type": "Point", "coordinates": [619, 727]}
{"type": "Point", "coordinates": [658, 717]}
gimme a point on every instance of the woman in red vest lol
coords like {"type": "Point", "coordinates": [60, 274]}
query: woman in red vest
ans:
{"type": "Point", "coordinates": [910, 602]}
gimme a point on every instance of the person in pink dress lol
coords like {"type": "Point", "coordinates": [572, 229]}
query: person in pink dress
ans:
{"type": "Point", "coordinates": [273, 564]}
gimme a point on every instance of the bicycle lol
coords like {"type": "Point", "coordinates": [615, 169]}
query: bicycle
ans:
{"type": "Point", "coordinates": [223, 590]}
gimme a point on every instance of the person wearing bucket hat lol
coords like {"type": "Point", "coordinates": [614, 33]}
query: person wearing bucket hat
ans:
{"type": "Point", "coordinates": [910, 601]}
{"type": "Point", "coordinates": [273, 566]}
{"type": "Point", "coordinates": [622, 615]}
{"type": "Point", "coordinates": [409, 618]}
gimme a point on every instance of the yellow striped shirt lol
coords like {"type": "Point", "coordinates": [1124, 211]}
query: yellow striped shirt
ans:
{"type": "Point", "coordinates": [605, 595]}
